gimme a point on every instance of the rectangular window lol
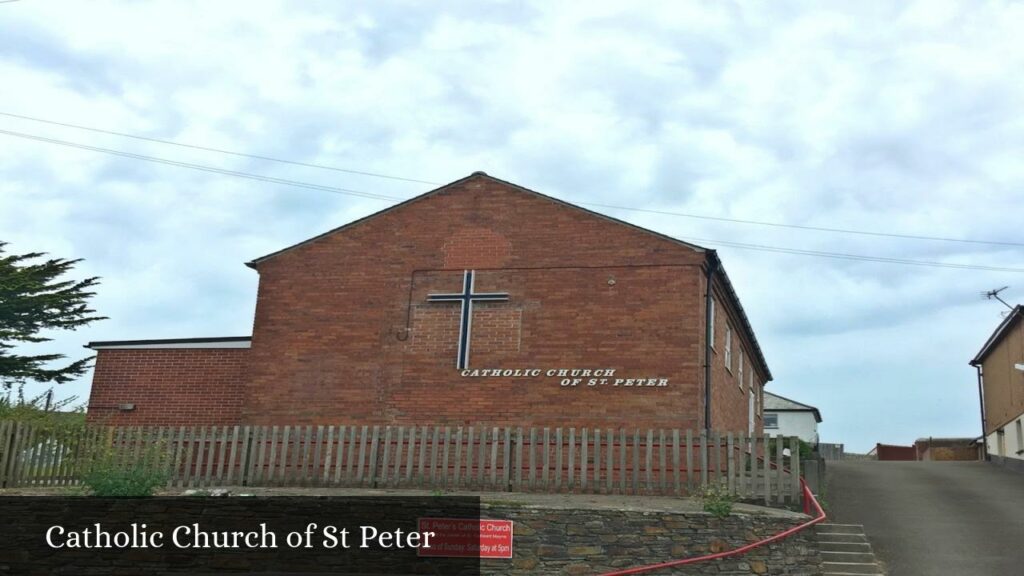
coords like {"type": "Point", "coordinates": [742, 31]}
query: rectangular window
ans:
{"type": "Point", "coordinates": [771, 421]}
{"type": "Point", "coordinates": [740, 371]}
{"type": "Point", "coordinates": [1020, 436]}
{"type": "Point", "coordinates": [728, 347]}
{"type": "Point", "coordinates": [758, 390]}
{"type": "Point", "coordinates": [711, 329]}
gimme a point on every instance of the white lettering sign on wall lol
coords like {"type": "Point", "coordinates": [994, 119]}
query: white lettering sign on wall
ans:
{"type": "Point", "coordinates": [569, 377]}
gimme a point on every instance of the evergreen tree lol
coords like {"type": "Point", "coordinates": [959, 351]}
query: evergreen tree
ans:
{"type": "Point", "coordinates": [33, 298]}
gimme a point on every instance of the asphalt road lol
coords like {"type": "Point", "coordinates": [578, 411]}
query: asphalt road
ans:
{"type": "Point", "coordinates": [933, 518]}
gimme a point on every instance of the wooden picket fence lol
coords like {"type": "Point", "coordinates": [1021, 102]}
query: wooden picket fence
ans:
{"type": "Point", "coordinates": [487, 458]}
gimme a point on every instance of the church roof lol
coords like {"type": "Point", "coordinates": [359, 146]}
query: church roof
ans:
{"type": "Point", "coordinates": [776, 403]}
{"type": "Point", "coordinates": [444, 188]}
{"type": "Point", "coordinates": [711, 254]}
{"type": "Point", "coordinates": [215, 342]}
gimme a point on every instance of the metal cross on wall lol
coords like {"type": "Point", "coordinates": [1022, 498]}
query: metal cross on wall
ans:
{"type": "Point", "coordinates": [466, 298]}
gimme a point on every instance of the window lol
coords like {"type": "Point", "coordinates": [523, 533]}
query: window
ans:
{"type": "Point", "coordinates": [750, 382]}
{"type": "Point", "coordinates": [711, 330]}
{"type": "Point", "coordinates": [771, 421]}
{"type": "Point", "coordinates": [740, 371]}
{"type": "Point", "coordinates": [728, 346]}
{"type": "Point", "coordinates": [1020, 436]}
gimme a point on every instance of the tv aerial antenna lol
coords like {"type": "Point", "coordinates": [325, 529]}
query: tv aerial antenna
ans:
{"type": "Point", "coordinates": [994, 295]}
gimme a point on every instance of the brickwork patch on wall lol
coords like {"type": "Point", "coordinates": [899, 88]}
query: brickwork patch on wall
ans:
{"type": "Point", "coordinates": [476, 248]}
{"type": "Point", "coordinates": [497, 329]}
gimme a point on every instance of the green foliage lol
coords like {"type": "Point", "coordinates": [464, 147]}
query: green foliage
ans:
{"type": "Point", "coordinates": [717, 499]}
{"type": "Point", "coordinates": [806, 449]}
{"type": "Point", "coordinates": [33, 298]}
{"type": "Point", "coordinates": [113, 472]}
{"type": "Point", "coordinates": [39, 410]}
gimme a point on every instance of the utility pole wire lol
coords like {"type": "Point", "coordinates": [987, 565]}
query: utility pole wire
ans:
{"type": "Point", "coordinates": [204, 168]}
{"type": "Point", "coordinates": [845, 256]}
{"type": "Point", "coordinates": [350, 192]}
{"type": "Point", "coordinates": [218, 150]}
{"type": "Point", "coordinates": [814, 228]}
{"type": "Point", "coordinates": [585, 203]}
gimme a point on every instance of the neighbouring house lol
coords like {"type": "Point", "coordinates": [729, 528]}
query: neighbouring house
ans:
{"type": "Point", "coordinates": [942, 449]}
{"type": "Point", "coordinates": [1000, 367]}
{"type": "Point", "coordinates": [785, 417]}
{"type": "Point", "coordinates": [481, 302]}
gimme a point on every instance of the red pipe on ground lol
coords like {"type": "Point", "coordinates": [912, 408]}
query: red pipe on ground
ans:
{"type": "Point", "coordinates": [809, 502]}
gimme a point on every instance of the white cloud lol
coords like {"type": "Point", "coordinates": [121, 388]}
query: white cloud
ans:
{"type": "Point", "coordinates": [863, 115]}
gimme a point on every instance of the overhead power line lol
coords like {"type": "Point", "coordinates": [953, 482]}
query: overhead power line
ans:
{"type": "Point", "coordinates": [833, 230]}
{"type": "Point", "coordinates": [218, 150]}
{"type": "Point", "coordinates": [803, 227]}
{"type": "Point", "coordinates": [844, 256]}
{"type": "Point", "coordinates": [204, 168]}
{"type": "Point", "coordinates": [358, 193]}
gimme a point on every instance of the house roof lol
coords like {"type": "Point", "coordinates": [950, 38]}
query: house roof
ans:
{"type": "Point", "coordinates": [776, 403]}
{"type": "Point", "coordinates": [1004, 328]}
{"type": "Point", "coordinates": [711, 254]}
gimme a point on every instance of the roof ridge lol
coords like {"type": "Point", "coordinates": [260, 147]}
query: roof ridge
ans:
{"type": "Point", "coordinates": [477, 174]}
{"type": "Point", "coordinates": [781, 397]}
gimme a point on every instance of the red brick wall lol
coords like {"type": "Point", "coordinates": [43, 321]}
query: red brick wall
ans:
{"type": "Point", "coordinates": [890, 452]}
{"type": "Point", "coordinates": [343, 332]}
{"type": "Point", "coordinates": [202, 386]}
{"type": "Point", "coordinates": [729, 402]}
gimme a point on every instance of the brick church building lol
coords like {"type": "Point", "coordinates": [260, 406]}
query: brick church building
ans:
{"type": "Point", "coordinates": [480, 302]}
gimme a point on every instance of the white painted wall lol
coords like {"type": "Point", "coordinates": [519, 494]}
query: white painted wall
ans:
{"type": "Point", "coordinates": [1011, 445]}
{"type": "Point", "coordinates": [800, 424]}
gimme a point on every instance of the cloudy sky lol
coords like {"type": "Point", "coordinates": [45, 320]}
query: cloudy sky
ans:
{"type": "Point", "coordinates": [901, 119]}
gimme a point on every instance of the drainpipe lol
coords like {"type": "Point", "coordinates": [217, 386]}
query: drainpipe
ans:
{"type": "Point", "coordinates": [711, 267]}
{"type": "Point", "coordinates": [984, 421]}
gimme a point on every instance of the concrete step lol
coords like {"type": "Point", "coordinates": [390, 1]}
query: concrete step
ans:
{"type": "Point", "coordinates": [850, 568]}
{"type": "Point", "coordinates": [857, 538]}
{"type": "Point", "coordinates": [845, 551]}
{"type": "Point", "coordinates": [844, 547]}
{"type": "Point", "coordinates": [861, 557]}
{"type": "Point", "coordinates": [840, 528]}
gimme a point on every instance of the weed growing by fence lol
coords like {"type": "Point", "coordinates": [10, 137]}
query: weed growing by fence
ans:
{"type": "Point", "coordinates": [112, 472]}
{"type": "Point", "coordinates": [717, 499]}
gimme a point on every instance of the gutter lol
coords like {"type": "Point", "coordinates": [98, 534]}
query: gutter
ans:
{"type": "Point", "coordinates": [712, 264]}
{"type": "Point", "coordinates": [981, 403]}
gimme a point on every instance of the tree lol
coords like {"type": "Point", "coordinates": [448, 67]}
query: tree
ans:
{"type": "Point", "coordinates": [33, 298]}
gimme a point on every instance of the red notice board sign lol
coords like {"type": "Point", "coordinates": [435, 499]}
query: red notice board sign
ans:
{"type": "Point", "coordinates": [467, 537]}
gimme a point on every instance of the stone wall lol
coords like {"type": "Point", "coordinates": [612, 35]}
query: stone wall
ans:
{"type": "Point", "coordinates": [556, 541]}
{"type": "Point", "coordinates": [553, 534]}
